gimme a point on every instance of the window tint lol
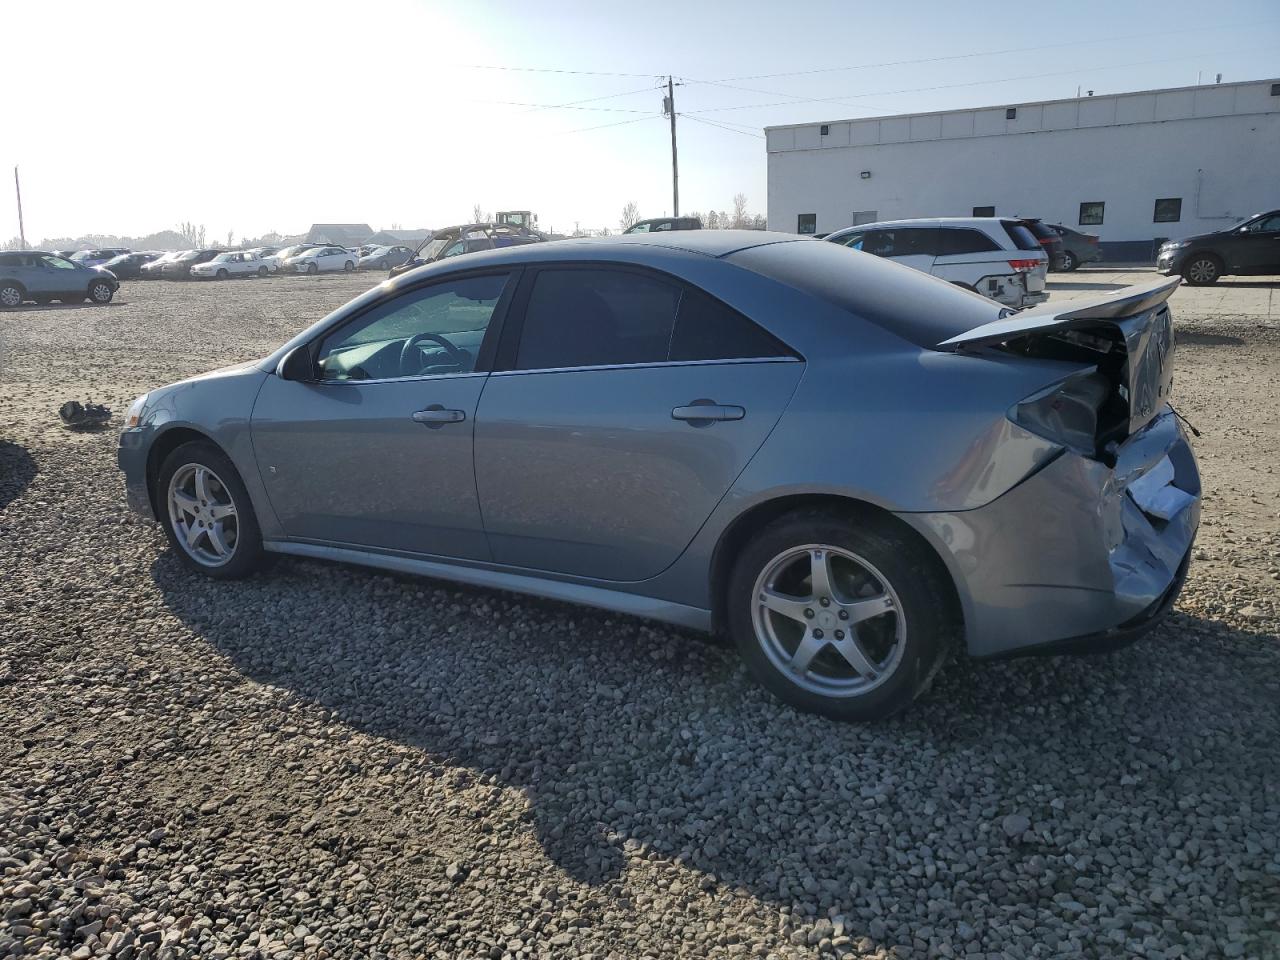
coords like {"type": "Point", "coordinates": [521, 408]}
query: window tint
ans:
{"type": "Point", "coordinates": [1022, 238]}
{"type": "Point", "coordinates": [580, 318]}
{"type": "Point", "coordinates": [1265, 224]}
{"type": "Point", "coordinates": [899, 242]}
{"type": "Point", "coordinates": [1091, 213]}
{"type": "Point", "coordinates": [708, 330]}
{"type": "Point", "coordinates": [457, 312]}
{"type": "Point", "coordinates": [954, 241]}
{"type": "Point", "coordinates": [58, 263]}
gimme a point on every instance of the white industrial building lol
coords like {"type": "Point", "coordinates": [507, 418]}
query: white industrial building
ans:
{"type": "Point", "coordinates": [1133, 168]}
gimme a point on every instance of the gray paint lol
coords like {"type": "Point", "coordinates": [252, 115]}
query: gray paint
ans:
{"type": "Point", "coordinates": [586, 489]}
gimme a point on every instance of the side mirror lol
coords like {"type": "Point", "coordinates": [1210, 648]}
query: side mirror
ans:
{"type": "Point", "coordinates": [297, 365]}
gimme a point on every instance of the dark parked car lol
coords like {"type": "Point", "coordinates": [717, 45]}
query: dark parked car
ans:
{"type": "Point", "coordinates": [468, 238]}
{"type": "Point", "coordinates": [97, 257]}
{"type": "Point", "coordinates": [661, 224]}
{"type": "Point", "coordinates": [1077, 247]}
{"type": "Point", "coordinates": [179, 268]}
{"type": "Point", "coordinates": [384, 258]}
{"type": "Point", "coordinates": [128, 266]}
{"type": "Point", "coordinates": [1250, 247]}
{"type": "Point", "coordinates": [42, 276]}
{"type": "Point", "coordinates": [1049, 239]}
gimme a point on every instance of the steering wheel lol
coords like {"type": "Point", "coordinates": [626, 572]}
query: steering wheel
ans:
{"type": "Point", "coordinates": [458, 356]}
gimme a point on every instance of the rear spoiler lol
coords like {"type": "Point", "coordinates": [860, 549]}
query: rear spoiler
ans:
{"type": "Point", "coordinates": [1123, 303]}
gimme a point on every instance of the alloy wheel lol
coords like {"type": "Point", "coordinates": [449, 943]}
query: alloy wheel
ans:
{"type": "Point", "coordinates": [1203, 270]}
{"type": "Point", "coordinates": [100, 293]}
{"type": "Point", "coordinates": [10, 296]}
{"type": "Point", "coordinates": [828, 620]}
{"type": "Point", "coordinates": [203, 515]}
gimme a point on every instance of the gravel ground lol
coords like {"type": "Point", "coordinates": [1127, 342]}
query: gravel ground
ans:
{"type": "Point", "coordinates": [329, 762]}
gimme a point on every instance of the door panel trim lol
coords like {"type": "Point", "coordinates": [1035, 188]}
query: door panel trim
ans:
{"type": "Point", "coordinates": [640, 366]}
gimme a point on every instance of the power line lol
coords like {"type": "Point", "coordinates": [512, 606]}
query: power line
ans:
{"type": "Point", "coordinates": [620, 123]}
{"type": "Point", "coordinates": [583, 73]}
{"type": "Point", "coordinates": [990, 53]}
{"type": "Point", "coordinates": [720, 126]}
{"type": "Point", "coordinates": [558, 106]}
{"type": "Point", "coordinates": [574, 103]}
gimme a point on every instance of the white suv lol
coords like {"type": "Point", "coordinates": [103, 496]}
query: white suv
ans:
{"type": "Point", "coordinates": [998, 258]}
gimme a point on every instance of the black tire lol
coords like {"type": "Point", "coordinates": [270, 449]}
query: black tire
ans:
{"type": "Point", "coordinates": [11, 295]}
{"type": "Point", "coordinates": [348, 266]}
{"type": "Point", "coordinates": [313, 267]}
{"type": "Point", "coordinates": [247, 556]}
{"type": "Point", "coordinates": [262, 271]}
{"type": "Point", "coordinates": [221, 274]}
{"type": "Point", "coordinates": [1069, 261]}
{"type": "Point", "coordinates": [101, 292]}
{"type": "Point", "coordinates": [1202, 270]}
{"type": "Point", "coordinates": [900, 564]}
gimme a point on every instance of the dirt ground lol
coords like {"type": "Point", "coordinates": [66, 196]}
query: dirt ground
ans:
{"type": "Point", "coordinates": [329, 762]}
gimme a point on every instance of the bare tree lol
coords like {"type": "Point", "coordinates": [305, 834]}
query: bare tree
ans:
{"type": "Point", "coordinates": [740, 220]}
{"type": "Point", "coordinates": [12, 244]}
{"type": "Point", "coordinates": [630, 214]}
{"type": "Point", "coordinates": [711, 221]}
{"type": "Point", "coordinates": [478, 215]}
{"type": "Point", "coordinates": [231, 234]}
{"type": "Point", "coordinates": [192, 234]}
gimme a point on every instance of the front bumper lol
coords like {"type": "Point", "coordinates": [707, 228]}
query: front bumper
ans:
{"type": "Point", "coordinates": [1169, 262]}
{"type": "Point", "coordinates": [1068, 557]}
{"type": "Point", "coordinates": [131, 455]}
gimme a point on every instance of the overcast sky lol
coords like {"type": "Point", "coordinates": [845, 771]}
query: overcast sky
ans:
{"type": "Point", "coordinates": [130, 117]}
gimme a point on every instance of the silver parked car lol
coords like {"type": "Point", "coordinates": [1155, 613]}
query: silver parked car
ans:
{"type": "Point", "coordinates": [849, 466]}
{"type": "Point", "coordinates": [40, 276]}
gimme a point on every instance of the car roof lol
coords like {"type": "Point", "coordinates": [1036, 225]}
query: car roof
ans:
{"type": "Point", "coordinates": [975, 222]}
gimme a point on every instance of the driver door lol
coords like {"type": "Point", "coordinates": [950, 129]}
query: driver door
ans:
{"type": "Point", "coordinates": [1257, 246]}
{"type": "Point", "coordinates": [376, 450]}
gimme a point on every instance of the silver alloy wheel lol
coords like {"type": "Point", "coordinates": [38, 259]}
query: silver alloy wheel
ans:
{"type": "Point", "coordinates": [1069, 261]}
{"type": "Point", "coordinates": [1203, 270]}
{"type": "Point", "coordinates": [203, 515]}
{"type": "Point", "coordinates": [100, 292]}
{"type": "Point", "coordinates": [828, 620]}
{"type": "Point", "coordinates": [10, 296]}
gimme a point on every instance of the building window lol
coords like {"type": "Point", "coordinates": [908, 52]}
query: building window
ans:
{"type": "Point", "coordinates": [807, 223]}
{"type": "Point", "coordinates": [1091, 213]}
{"type": "Point", "coordinates": [824, 129]}
{"type": "Point", "coordinates": [984, 211]}
{"type": "Point", "coordinates": [864, 216]}
{"type": "Point", "coordinates": [1011, 113]}
{"type": "Point", "coordinates": [1168, 210]}
{"type": "Point", "coordinates": [1275, 89]}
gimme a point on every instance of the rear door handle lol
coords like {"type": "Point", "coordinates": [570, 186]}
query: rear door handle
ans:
{"type": "Point", "coordinates": [436, 416]}
{"type": "Point", "coordinates": [704, 412]}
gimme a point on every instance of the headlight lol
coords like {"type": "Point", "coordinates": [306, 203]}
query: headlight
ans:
{"type": "Point", "coordinates": [1174, 244]}
{"type": "Point", "coordinates": [133, 418]}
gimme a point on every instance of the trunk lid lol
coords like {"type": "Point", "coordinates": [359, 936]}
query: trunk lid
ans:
{"type": "Point", "coordinates": [1134, 321]}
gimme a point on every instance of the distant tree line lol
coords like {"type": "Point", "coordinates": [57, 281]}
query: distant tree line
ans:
{"type": "Point", "coordinates": [739, 219]}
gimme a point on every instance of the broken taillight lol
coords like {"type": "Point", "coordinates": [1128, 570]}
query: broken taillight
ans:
{"type": "Point", "coordinates": [1024, 266]}
{"type": "Point", "coordinates": [1067, 413]}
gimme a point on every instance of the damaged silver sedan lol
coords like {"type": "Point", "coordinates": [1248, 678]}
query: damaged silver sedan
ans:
{"type": "Point", "coordinates": [850, 467]}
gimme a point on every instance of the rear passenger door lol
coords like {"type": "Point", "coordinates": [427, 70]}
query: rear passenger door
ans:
{"type": "Point", "coordinates": [910, 246]}
{"type": "Point", "coordinates": [964, 255]}
{"type": "Point", "coordinates": [623, 407]}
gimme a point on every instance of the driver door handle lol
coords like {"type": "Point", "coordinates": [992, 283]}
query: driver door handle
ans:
{"type": "Point", "coordinates": [435, 415]}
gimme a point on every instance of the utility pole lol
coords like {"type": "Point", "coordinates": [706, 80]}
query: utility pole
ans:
{"type": "Point", "coordinates": [22, 233]}
{"type": "Point", "coordinates": [669, 108]}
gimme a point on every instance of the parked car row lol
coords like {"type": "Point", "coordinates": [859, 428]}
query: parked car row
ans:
{"type": "Point", "coordinates": [466, 238]}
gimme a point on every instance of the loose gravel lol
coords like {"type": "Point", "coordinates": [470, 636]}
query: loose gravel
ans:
{"type": "Point", "coordinates": [325, 761]}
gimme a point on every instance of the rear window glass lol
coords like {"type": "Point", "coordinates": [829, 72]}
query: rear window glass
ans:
{"type": "Point", "coordinates": [1022, 238]}
{"type": "Point", "coordinates": [706, 329]}
{"type": "Point", "coordinates": [921, 309]}
{"type": "Point", "coordinates": [955, 241]}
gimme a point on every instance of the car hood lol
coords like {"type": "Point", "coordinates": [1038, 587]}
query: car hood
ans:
{"type": "Point", "coordinates": [1197, 237]}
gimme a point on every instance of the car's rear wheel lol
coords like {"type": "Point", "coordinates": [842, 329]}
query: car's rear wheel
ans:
{"type": "Point", "coordinates": [1069, 261]}
{"type": "Point", "coordinates": [1202, 270]}
{"type": "Point", "coordinates": [206, 512]}
{"type": "Point", "coordinates": [840, 616]}
{"type": "Point", "coordinates": [100, 291]}
{"type": "Point", "coordinates": [11, 295]}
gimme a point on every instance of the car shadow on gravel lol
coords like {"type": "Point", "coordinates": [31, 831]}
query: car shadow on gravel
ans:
{"type": "Point", "coordinates": [629, 739]}
{"type": "Point", "coordinates": [17, 470]}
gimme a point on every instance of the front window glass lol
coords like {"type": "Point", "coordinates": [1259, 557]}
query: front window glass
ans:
{"type": "Point", "coordinates": [639, 228]}
{"type": "Point", "coordinates": [58, 263]}
{"type": "Point", "coordinates": [1265, 224]}
{"type": "Point", "coordinates": [453, 251]}
{"type": "Point", "coordinates": [431, 331]}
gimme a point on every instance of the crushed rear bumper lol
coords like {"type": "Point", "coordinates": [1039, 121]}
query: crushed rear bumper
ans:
{"type": "Point", "coordinates": [1079, 555]}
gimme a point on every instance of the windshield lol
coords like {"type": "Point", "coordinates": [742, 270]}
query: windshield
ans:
{"type": "Point", "coordinates": [378, 251]}
{"type": "Point", "coordinates": [432, 249]}
{"type": "Point", "coordinates": [222, 258]}
{"type": "Point", "coordinates": [84, 255]}
{"type": "Point", "coordinates": [190, 255]}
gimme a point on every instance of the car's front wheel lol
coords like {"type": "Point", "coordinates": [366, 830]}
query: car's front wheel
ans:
{"type": "Point", "coordinates": [348, 266]}
{"type": "Point", "coordinates": [313, 268]}
{"type": "Point", "coordinates": [840, 615]}
{"type": "Point", "coordinates": [206, 512]}
{"type": "Point", "coordinates": [100, 292]}
{"type": "Point", "coordinates": [1202, 270]}
{"type": "Point", "coordinates": [262, 271]}
{"type": "Point", "coordinates": [222, 274]}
